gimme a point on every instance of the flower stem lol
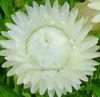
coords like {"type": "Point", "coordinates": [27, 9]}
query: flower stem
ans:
{"type": "Point", "coordinates": [17, 88]}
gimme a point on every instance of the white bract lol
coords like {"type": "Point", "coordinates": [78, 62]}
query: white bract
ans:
{"type": "Point", "coordinates": [49, 50]}
{"type": "Point", "coordinates": [95, 4]}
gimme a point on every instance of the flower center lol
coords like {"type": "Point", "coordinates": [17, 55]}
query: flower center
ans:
{"type": "Point", "coordinates": [49, 48]}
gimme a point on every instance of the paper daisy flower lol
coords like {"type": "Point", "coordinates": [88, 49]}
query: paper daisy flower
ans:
{"type": "Point", "coordinates": [49, 50]}
{"type": "Point", "coordinates": [85, 11]}
{"type": "Point", "coordinates": [95, 4]}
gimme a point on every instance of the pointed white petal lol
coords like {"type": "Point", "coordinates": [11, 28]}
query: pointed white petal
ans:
{"type": "Point", "coordinates": [48, 76]}
{"type": "Point", "coordinates": [28, 77]}
{"type": "Point", "coordinates": [65, 9]}
{"type": "Point", "coordinates": [48, 5]}
{"type": "Point", "coordinates": [93, 49]}
{"type": "Point", "coordinates": [26, 67]}
{"type": "Point", "coordinates": [58, 91]}
{"type": "Point", "coordinates": [22, 17]}
{"type": "Point", "coordinates": [96, 19]}
{"type": "Point", "coordinates": [88, 72]}
{"type": "Point", "coordinates": [85, 67]}
{"type": "Point", "coordinates": [51, 93]}
{"type": "Point", "coordinates": [15, 57]}
{"type": "Point", "coordinates": [77, 28]}
{"type": "Point", "coordinates": [83, 34]}
{"type": "Point", "coordinates": [20, 78]}
{"type": "Point", "coordinates": [84, 78]}
{"type": "Point", "coordinates": [76, 86]}
{"type": "Point", "coordinates": [29, 10]}
{"type": "Point", "coordinates": [91, 55]}
{"type": "Point", "coordinates": [5, 52]}
{"type": "Point", "coordinates": [68, 86]}
{"type": "Point", "coordinates": [35, 7]}
{"type": "Point", "coordinates": [34, 87]}
{"type": "Point", "coordinates": [55, 12]}
{"type": "Point", "coordinates": [74, 28]}
{"type": "Point", "coordinates": [27, 86]}
{"type": "Point", "coordinates": [87, 43]}
{"type": "Point", "coordinates": [9, 64]}
{"type": "Point", "coordinates": [43, 12]}
{"type": "Point", "coordinates": [74, 11]}
{"type": "Point", "coordinates": [37, 77]}
{"type": "Point", "coordinates": [42, 87]}
{"type": "Point", "coordinates": [9, 44]}
{"type": "Point", "coordinates": [11, 71]}
{"type": "Point", "coordinates": [56, 5]}
{"type": "Point", "coordinates": [94, 5]}
{"type": "Point", "coordinates": [15, 19]}
{"type": "Point", "coordinates": [5, 34]}
{"type": "Point", "coordinates": [59, 81]}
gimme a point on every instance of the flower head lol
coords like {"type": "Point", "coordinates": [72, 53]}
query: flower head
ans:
{"type": "Point", "coordinates": [95, 4]}
{"type": "Point", "coordinates": [85, 11]}
{"type": "Point", "coordinates": [49, 50]}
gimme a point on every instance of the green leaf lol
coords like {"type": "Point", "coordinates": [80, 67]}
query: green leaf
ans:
{"type": "Point", "coordinates": [29, 2]}
{"type": "Point", "coordinates": [19, 3]}
{"type": "Point", "coordinates": [26, 93]}
{"type": "Point", "coordinates": [2, 37]}
{"type": "Point", "coordinates": [96, 87]}
{"type": "Point", "coordinates": [6, 91]}
{"type": "Point", "coordinates": [72, 3]}
{"type": "Point", "coordinates": [17, 88]}
{"type": "Point", "coordinates": [83, 94]}
{"type": "Point", "coordinates": [2, 75]}
{"type": "Point", "coordinates": [7, 7]}
{"type": "Point", "coordinates": [2, 25]}
{"type": "Point", "coordinates": [61, 2]}
{"type": "Point", "coordinates": [2, 59]}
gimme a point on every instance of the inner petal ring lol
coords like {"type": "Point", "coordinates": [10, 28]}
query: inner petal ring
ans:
{"type": "Point", "coordinates": [49, 47]}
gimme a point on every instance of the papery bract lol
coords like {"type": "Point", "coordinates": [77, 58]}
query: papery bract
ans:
{"type": "Point", "coordinates": [48, 49]}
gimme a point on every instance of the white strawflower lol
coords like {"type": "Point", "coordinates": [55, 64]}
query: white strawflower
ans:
{"type": "Point", "coordinates": [49, 49]}
{"type": "Point", "coordinates": [85, 11]}
{"type": "Point", "coordinates": [95, 4]}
